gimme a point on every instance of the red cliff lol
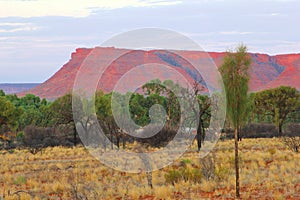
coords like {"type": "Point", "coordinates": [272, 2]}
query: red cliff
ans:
{"type": "Point", "coordinates": [265, 72]}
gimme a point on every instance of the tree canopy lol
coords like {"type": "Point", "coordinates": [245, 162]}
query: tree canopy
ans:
{"type": "Point", "coordinates": [278, 103]}
{"type": "Point", "coordinates": [9, 114]}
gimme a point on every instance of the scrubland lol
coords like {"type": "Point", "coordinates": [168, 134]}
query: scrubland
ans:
{"type": "Point", "coordinates": [268, 170]}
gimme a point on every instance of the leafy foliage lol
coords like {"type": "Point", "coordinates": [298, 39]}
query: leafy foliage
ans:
{"type": "Point", "coordinates": [9, 114]}
{"type": "Point", "coordinates": [278, 103]}
{"type": "Point", "coordinates": [234, 72]}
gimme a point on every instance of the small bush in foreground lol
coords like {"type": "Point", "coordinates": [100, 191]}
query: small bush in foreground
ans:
{"type": "Point", "coordinates": [292, 142]}
{"type": "Point", "coordinates": [183, 174]}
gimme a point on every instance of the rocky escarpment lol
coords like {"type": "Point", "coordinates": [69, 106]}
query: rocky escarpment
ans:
{"type": "Point", "coordinates": [266, 71]}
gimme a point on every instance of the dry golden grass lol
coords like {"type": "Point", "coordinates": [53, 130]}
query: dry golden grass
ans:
{"type": "Point", "coordinates": [268, 171]}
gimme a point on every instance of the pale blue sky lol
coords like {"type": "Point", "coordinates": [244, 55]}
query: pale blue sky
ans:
{"type": "Point", "coordinates": [38, 36]}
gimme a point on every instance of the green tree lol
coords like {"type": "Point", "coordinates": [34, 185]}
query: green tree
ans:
{"type": "Point", "coordinates": [247, 114]}
{"type": "Point", "coordinates": [13, 99]}
{"type": "Point", "coordinates": [32, 106]}
{"type": "Point", "coordinates": [9, 114]}
{"type": "Point", "coordinates": [165, 92]}
{"type": "Point", "coordinates": [2, 94]}
{"type": "Point", "coordinates": [201, 108]}
{"type": "Point", "coordinates": [85, 119]}
{"type": "Point", "coordinates": [30, 100]}
{"type": "Point", "coordinates": [62, 114]}
{"type": "Point", "coordinates": [139, 109]}
{"type": "Point", "coordinates": [172, 103]}
{"type": "Point", "coordinates": [204, 103]}
{"type": "Point", "coordinates": [48, 116]}
{"type": "Point", "coordinates": [106, 118]}
{"type": "Point", "coordinates": [151, 100]}
{"type": "Point", "coordinates": [31, 116]}
{"type": "Point", "coordinates": [234, 71]}
{"type": "Point", "coordinates": [278, 103]}
{"type": "Point", "coordinates": [200, 105]}
{"type": "Point", "coordinates": [153, 87]}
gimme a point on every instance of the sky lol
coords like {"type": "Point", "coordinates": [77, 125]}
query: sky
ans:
{"type": "Point", "coordinates": [38, 36]}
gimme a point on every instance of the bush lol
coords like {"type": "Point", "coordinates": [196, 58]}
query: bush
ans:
{"type": "Point", "coordinates": [272, 151]}
{"type": "Point", "coordinates": [20, 136]}
{"type": "Point", "coordinates": [208, 167]}
{"type": "Point", "coordinates": [183, 174]}
{"type": "Point", "coordinates": [40, 137]}
{"type": "Point", "coordinates": [162, 138]}
{"type": "Point", "coordinates": [35, 136]}
{"type": "Point", "coordinates": [222, 173]}
{"type": "Point", "coordinates": [292, 142]}
{"type": "Point", "coordinates": [293, 129]}
{"type": "Point", "coordinates": [20, 180]}
{"type": "Point", "coordinates": [186, 161]}
{"type": "Point", "coordinates": [208, 170]}
{"type": "Point", "coordinates": [173, 176]}
{"type": "Point", "coordinates": [292, 138]}
{"type": "Point", "coordinates": [260, 130]}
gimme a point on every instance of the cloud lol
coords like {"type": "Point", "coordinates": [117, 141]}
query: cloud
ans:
{"type": "Point", "coordinates": [280, 47]}
{"type": "Point", "coordinates": [275, 14]}
{"type": "Point", "coordinates": [9, 27]}
{"type": "Point", "coordinates": [282, 1]}
{"type": "Point", "coordinates": [70, 8]}
{"type": "Point", "coordinates": [269, 14]}
{"type": "Point", "coordinates": [15, 43]}
{"type": "Point", "coordinates": [271, 47]}
{"type": "Point", "coordinates": [235, 33]}
{"type": "Point", "coordinates": [217, 46]}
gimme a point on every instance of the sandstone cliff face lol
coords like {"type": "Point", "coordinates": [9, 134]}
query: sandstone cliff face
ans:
{"type": "Point", "coordinates": [266, 71]}
{"type": "Point", "coordinates": [290, 76]}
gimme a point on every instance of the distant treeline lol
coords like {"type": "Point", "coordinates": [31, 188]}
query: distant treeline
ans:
{"type": "Point", "coordinates": [36, 123]}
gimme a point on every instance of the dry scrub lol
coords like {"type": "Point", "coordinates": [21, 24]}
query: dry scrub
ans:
{"type": "Point", "coordinates": [268, 171]}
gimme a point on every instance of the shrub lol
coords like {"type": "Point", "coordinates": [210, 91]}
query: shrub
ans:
{"type": "Point", "coordinates": [293, 129]}
{"type": "Point", "coordinates": [37, 138]}
{"type": "Point", "coordinates": [20, 136]}
{"type": "Point", "coordinates": [162, 138]}
{"type": "Point", "coordinates": [208, 170]}
{"type": "Point", "coordinates": [183, 174]}
{"type": "Point", "coordinates": [292, 142]}
{"type": "Point", "coordinates": [186, 161]}
{"type": "Point", "coordinates": [261, 130]}
{"type": "Point", "coordinates": [20, 180]}
{"type": "Point", "coordinates": [222, 172]}
{"type": "Point", "coordinates": [292, 139]}
{"type": "Point", "coordinates": [195, 175]}
{"type": "Point", "coordinates": [173, 176]}
{"type": "Point", "coordinates": [208, 167]}
{"type": "Point", "coordinates": [272, 151]}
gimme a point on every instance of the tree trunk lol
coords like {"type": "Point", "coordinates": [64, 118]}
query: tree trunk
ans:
{"type": "Point", "coordinates": [118, 140]}
{"type": "Point", "coordinates": [75, 136]}
{"type": "Point", "coordinates": [111, 141]}
{"type": "Point", "coordinates": [237, 173]}
{"type": "Point", "coordinates": [124, 141]}
{"type": "Point", "coordinates": [239, 135]}
{"type": "Point", "coordinates": [199, 135]}
{"type": "Point", "coordinates": [149, 179]}
{"type": "Point", "coordinates": [280, 130]}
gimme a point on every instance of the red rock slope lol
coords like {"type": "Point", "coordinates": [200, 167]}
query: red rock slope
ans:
{"type": "Point", "coordinates": [266, 71]}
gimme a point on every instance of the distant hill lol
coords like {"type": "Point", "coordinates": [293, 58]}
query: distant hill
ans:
{"type": "Point", "coordinates": [266, 71]}
{"type": "Point", "coordinates": [12, 88]}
